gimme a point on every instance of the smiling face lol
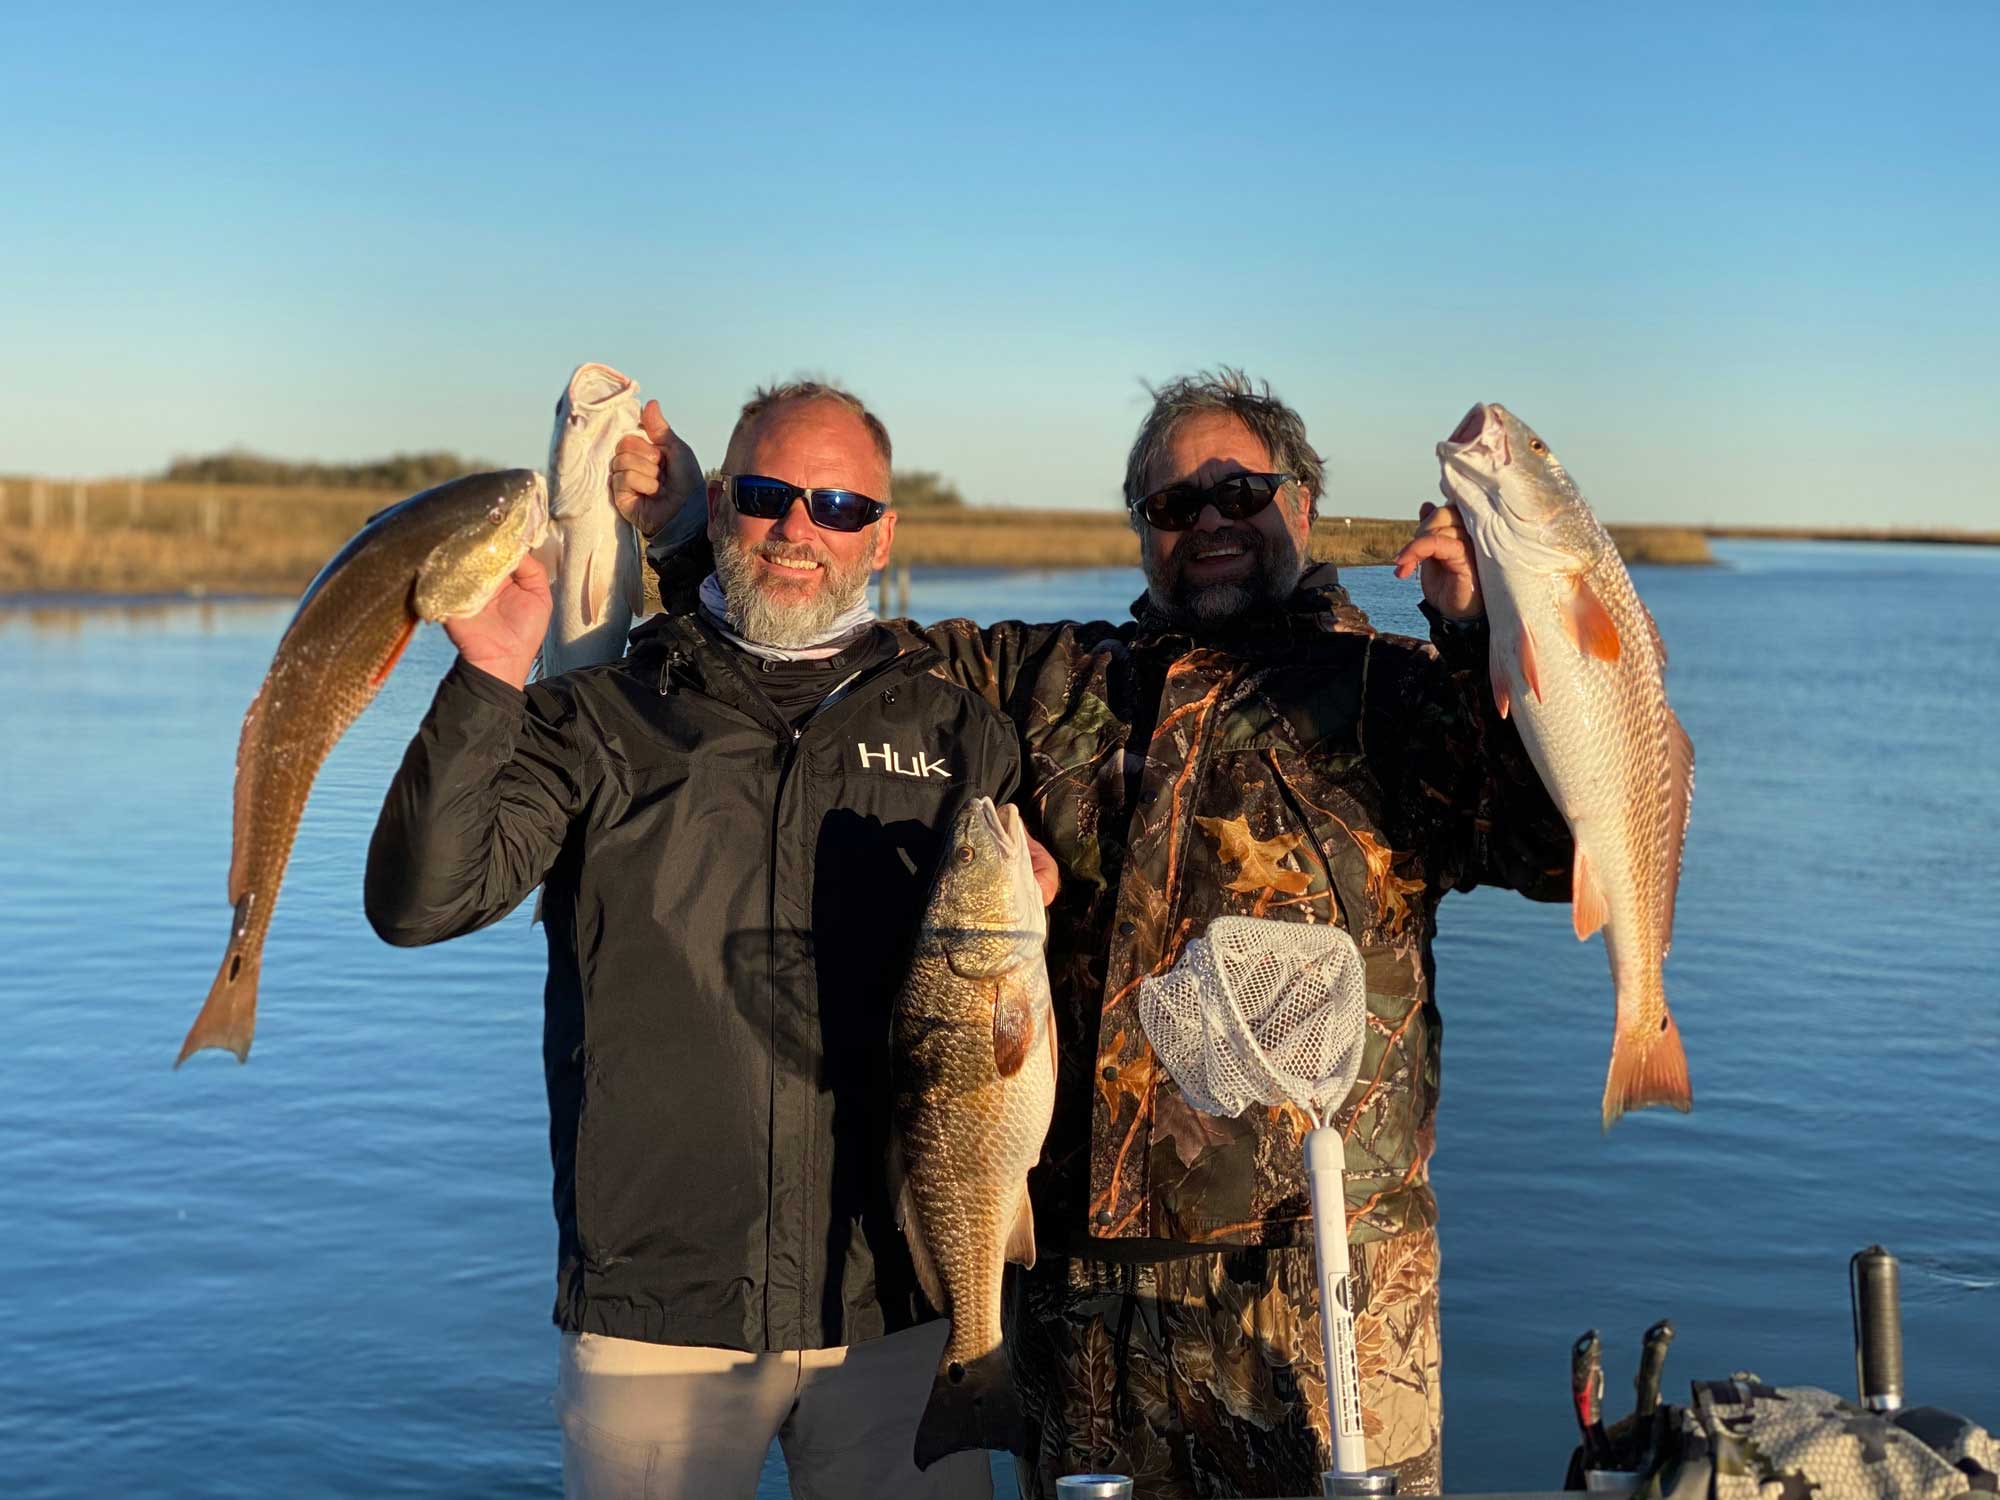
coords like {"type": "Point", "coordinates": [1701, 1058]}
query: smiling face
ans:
{"type": "Point", "coordinates": [786, 581]}
{"type": "Point", "coordinates": [1219, 569]}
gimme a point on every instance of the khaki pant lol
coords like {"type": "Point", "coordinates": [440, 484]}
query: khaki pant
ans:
{"type": "Point", "coordinates": [659, 1422]}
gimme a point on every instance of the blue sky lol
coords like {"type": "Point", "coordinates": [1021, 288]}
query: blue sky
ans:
{"type": "Point", "coordinates": [1734, 262]}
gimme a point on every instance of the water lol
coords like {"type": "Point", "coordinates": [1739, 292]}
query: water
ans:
{"type": "Point", "coordinates": [329, 1272]}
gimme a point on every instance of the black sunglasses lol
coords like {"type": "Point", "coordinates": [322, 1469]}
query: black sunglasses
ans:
{"type": "Point", "coordinates": [1236, 497]}
{"type": "Point", "coordinates": [769, 499]}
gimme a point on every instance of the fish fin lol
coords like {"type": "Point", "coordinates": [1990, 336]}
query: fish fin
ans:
{"type": "Point", "coordinates": [228, 1017]}
{"type": "Point", "coordinates": [596, 588]}
{"type": "Point", "coordinates": [1021, 1238]}
{"type": "Point", "coordinates": [1587, 910]}
{"type": "Point", "coordinates": [1503, 693]}
{"type": "Point", "coordinates": [1653, 629]}
{"type": "Point", "coordinates": [1530, 673]}
{"type": "Point", "coordinates": [971, 1406]}
{"type": "Point", "coordinates": [912, 1224]}
{"type": "Point", "coordinates": [1013, 1023]}
{"type": "Point", "coordinates": [1648, 1069]}
{"type": "Point", "coordinates": [1680, 807]}
{"type": "Point", "coordinates": [395, 653]}
{"type": "Point", "coordinates": [1588, 623]}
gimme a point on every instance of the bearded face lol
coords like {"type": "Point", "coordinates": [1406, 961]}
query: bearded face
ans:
{"type": "Point", "coordinates": [786, 593]}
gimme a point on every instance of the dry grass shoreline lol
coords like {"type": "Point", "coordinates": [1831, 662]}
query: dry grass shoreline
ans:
{"type": "Point", "coordinates": [197, 538]}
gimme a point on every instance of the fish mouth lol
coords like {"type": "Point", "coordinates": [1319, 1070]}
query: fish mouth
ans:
{"type": "Point", "coordinates": [594, 386]}
{"type": "Point", "coordinates": [1468, 465]}
{"type": "Point", "coordinates": [1472, 426]}
{"type": "Point", "coordinates": [1003, 821]}
{"type": "Point", "coordinates": [535, 520]}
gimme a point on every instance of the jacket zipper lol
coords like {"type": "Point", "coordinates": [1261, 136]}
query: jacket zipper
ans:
{"type": "Point", "coordinates": [791, 747]}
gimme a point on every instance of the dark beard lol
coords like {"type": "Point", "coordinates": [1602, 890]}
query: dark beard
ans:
{"type": "Point", "coordinates": [1200, 606]}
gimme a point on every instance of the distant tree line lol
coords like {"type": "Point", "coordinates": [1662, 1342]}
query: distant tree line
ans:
{"type": "Point", "coordinates": [914, 489]}
{"type": "Point", "coordinates": [399, 471]}
{"type": "Point", "coordinates": [918, 489]}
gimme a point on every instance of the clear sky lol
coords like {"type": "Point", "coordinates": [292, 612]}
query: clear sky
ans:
{"type": "Point", "coordinates": [1735, 262]}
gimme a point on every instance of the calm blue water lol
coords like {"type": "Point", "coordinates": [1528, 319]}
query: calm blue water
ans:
{"type": "Point", "coordinates": [329, 1272]}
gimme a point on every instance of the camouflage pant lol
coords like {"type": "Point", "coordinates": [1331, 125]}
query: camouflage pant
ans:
{"type": "Point", "coordinates": [1203, 1376]}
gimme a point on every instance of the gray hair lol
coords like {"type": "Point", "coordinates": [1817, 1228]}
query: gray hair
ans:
{"type": "Point", "coordinates": [1227, 389]}
{"type": "Point", "coordinates": [765, 397]}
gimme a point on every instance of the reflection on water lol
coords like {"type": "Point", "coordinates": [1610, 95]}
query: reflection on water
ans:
{"type": "Point", "coordinates": [328, 1272]}
{"type": "Point", "coordinates": [71, 614]}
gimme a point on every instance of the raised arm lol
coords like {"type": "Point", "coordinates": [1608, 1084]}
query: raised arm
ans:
{"type": "Point", "coordinates": [1469, 779]}
{"type": "Point", "coordinates": [483, 801]}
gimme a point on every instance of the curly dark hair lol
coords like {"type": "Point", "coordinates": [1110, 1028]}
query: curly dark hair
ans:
{"type": "Point", "coordinates": [1282, 430]}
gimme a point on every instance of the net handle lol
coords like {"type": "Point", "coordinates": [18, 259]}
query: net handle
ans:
{"type": "Point", "coordinates": [1326, 1160]}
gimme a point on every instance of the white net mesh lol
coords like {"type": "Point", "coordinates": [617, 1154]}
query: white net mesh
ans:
{"type": "Point", "coordinates": [1260, 1012]}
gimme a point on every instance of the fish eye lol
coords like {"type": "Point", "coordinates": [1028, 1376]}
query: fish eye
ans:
{"type": "Point", "coordinates": [496, 515]}
{"type": "Point", "coordinates": [965, 854]}
{"type": "Point", "coordinates": [1536, 445]}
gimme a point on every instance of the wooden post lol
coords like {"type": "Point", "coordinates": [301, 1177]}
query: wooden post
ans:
{"type": "Point", "coordinates": [211, 515]}
{"type": "Point", "coordinates": [38, 504]}
{"type": "Point", "coordinates": [79, 503]}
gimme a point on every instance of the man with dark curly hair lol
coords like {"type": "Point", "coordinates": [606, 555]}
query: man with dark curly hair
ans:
{"type": "Point", "coordinates": [1247, 744]}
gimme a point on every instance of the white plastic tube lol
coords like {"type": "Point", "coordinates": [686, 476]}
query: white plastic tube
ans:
{"type": "Point", "coordinates": [1326, 1159]}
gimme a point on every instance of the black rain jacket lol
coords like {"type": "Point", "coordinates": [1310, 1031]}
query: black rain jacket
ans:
{"type": "Point", "coordinates": [729, 906]}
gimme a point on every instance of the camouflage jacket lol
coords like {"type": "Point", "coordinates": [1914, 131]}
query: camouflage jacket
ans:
{"type": "Point", "coordinates": [1302, 767]}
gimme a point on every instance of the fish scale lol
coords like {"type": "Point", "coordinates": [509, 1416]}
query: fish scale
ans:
{"type": "Point", "coordinates": [973, 1059]}
{"type": "Point", "coordinates": [438, 555]}
{"type": "Point", "coordinates": [1578, 663]}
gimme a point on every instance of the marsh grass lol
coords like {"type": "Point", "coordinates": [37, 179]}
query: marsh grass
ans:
{"type": "Point", "coordinates": [268, 539]}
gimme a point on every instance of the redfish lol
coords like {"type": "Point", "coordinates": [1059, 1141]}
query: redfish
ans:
{"type": "Point", "coordinates": [1578, 662]}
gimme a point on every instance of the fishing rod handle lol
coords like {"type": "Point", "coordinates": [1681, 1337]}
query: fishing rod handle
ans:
{"type": "Point", "coordinates": [1326, 1162]}
{"type": "Point", "coordinates": [1873, 1287]}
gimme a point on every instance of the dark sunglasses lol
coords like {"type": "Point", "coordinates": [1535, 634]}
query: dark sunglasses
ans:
{"type": "Point", "coordinates": [769, 499]}
{"type": "Point", "coordinates": [1235, 498]}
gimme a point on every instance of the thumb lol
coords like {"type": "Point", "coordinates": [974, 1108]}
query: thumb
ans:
{"type": "Point", "coordinates": [655, 425]}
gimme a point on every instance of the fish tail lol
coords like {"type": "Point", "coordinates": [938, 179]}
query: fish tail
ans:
{"type": "Point", "coordinates": [228, 1017]}
{"type": "Point", "coordinates": [972, 1406]}
{"type": "Point", "coordinates": [1648, 1066]}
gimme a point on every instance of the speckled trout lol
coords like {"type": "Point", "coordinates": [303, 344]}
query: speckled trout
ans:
{"type": "Point", "coordinates": [435, 556]}
{"type": "Point", "coordinates": [975, 1080]}
{"type": "Point", "coordinates": [594, 575]}
{"type": "Point", "coordinates": [1578, 661]}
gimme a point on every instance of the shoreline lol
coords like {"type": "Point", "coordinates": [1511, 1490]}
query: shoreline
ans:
{"type": "Point", "coordinates": [131, 541]}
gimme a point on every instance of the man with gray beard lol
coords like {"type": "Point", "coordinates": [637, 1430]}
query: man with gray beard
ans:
{"type": "Point", "coordinates": [735, 829]}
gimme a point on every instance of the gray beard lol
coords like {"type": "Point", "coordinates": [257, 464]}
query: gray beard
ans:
{"type": "Point", "coordinates": [1191, 605]}
{"type": "Point", "coordinates": [757, 616]}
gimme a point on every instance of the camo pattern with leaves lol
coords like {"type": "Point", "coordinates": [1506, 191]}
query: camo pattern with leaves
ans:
{"type": "Point", "coordinates": [1203, 1376]}
{"type": "Point", "coordinates": [1302, 767]}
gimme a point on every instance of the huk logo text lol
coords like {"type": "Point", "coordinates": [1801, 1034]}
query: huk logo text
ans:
{"type": "Point", "coordinates": [891, 760]}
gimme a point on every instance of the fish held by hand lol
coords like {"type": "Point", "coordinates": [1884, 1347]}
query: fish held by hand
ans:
{"type": "Point", "coordinates": [438, 555]}
{"type": "Point", "coordinates": [595, 576]}
{"type": "Point", "coordinates": [974, 1064]}
{"type": "Point", "coordinates": [1578, 663]}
